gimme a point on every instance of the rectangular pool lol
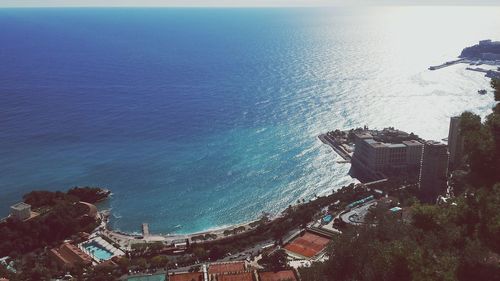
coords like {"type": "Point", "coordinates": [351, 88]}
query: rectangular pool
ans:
{"type": "Point", "coordinates": [98, 251]}
{"type": "Point", "coordinates": [157, 277]}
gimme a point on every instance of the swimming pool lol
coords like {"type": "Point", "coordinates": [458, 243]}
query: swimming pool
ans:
{"type": "Point", "coordinates": [158, 277]}
{"type": "Point", "coordinates": [327, 218]}
{"type": "Point", "coordinates": [98, 250]}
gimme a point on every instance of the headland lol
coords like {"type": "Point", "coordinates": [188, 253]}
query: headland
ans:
{"type": "Point", "coordinates": [486, 52]}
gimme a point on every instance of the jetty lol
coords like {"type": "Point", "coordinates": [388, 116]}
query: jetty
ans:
{"type": "Point", "coordinates": [336, 145]}
{"type": "Point", "coordinates": [478, 69]}
{"type": "Point", "coordinates": [145, 230]}
{"type": "Point", "coordinates": [446, 64]}
{"type": "Point", "coordinates": [488, 72]}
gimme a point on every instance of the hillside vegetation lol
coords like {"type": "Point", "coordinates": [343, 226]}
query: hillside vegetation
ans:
{"type": "Point", "coordinates": [459, 240]}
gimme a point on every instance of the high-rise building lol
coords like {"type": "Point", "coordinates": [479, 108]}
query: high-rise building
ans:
{"type": "Point", "coordinates": [385, 157]}
{"type": "Point", "coordinates": [433, 171]}
{"type": "Point", "coordinates": [413, 154]}
{"type": "Point", "coordinates": [455, 143]}
{"type": "Point", "coordinates": [20, 211]}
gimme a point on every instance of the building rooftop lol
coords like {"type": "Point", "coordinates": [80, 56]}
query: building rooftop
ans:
{"type": "Point", "coordinates": [395, 145]}
{"type": "Point", "coordinates": [288, 275]}
{"type": "Point", "coordinates": [413, 143]}
{"type": "Point", "coordinates": [242, 276]}
{"type": "Point", "coordinates": [227, 267]}
{"type": "Point", "coordinates": [403, 144]}
{"type": "Point", "coordinates": [69, 254]}
{"type": "Point", "coordinates": [374, 143]}
{"type": "Point", "coordinates": [197, 276]}
{"type": "Point", "coordinates": [434, 143]}
{"type": "Point", "coordinates": [20, 206]}
{"type": "Point", "coordinates": [363, 135]}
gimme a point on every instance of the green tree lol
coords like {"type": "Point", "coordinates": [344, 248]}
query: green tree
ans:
{"type": "Point", "coordinates": [479, 147]}
{"type": "Point", "coordinates": [489, 203]}
{"type": "Point", "coordinates": [217, 252]}
{"type": "Point", "coordinates": [159, 261]}
{"type": "Point", "coordinates": [156, 247]}
{"type": "Point", "coordinates": [101, 274]}
{"type": "Point", "coordinates": [495, 84]}
{"type": "Point", "coordinates": [141, 263]}
{"type": "Point", "coordinates": [200, 252]}
{"type": "Point", "coordinates": [123, 264]}
{"type": "Point", "coordinates": [275, 261]}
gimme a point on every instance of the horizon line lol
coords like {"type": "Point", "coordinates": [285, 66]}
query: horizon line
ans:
{"type": "Point", "coordinates": [310, 5]}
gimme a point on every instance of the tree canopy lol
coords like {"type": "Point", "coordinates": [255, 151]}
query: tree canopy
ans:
{"type": "Point", "coordinates": [459, 240]}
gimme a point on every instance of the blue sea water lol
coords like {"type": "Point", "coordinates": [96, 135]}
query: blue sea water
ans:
{"type": "Point", "coordinates": [199, 118]}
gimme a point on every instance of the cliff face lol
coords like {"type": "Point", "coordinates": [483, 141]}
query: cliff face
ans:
{"type": "Point", "coordinates": [476, 51]}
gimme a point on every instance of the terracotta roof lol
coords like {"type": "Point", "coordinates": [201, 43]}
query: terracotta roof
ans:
{"type": "Point", "coordinates": [243, 276]}
{"type": "Point", "coordinates": [68, 254]}
{"type": "Point", "coordinates": [308, 245]}
{"type": "Point", "coordinates": [284, 275]}
{"type": "Point", "coordinates": [228, 267]}
{"type": "Point", "coordinates": [191, 276]}
{"type": "Point", "coordinates": [107, 263]}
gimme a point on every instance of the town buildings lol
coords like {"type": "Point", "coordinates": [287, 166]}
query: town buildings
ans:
{"type": "Point", "coordinates": [489, 42]}
{"type": "Point", "coordinates": [226, 270]}
{"type": "Point", "coordinates": [186, 276]}
{"type": "Point", "coordinates": [233, 271]}
{"type": "Point", "coordinates": [283, 275]}
{"type": "Point", "coordinates": [491, 49]}
{"type": "Point", "coordinates": [68, 255]}
{"type": "Point", "coordinates": [434, 171]}
{"type": "Point", "coordinates": [390, 152]}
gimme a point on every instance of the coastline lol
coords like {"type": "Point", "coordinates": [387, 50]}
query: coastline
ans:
{"type": "Point", "coordinates": [126, 240]}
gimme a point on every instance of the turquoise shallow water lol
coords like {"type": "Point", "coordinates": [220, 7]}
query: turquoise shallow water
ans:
{"type": "Point", "coordinates": [98, 251]}
{"type": "Point", "coordinates": [200, 118]}
{"type": "Point", "coordinates": [159, 277]}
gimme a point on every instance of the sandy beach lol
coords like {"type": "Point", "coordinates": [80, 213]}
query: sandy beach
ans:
{"type": "Point", "coordinates": [126, 240]}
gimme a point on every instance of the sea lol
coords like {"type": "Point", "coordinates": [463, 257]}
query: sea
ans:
{"type": "Point", "coordinates": [199, 118]}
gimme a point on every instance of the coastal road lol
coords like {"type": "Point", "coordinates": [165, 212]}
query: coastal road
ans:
{"type": "Point", "coordinates": [249, 252]}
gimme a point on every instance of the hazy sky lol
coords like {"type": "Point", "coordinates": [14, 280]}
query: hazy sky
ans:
{"type": "Point", "coordinates": [70, 3]}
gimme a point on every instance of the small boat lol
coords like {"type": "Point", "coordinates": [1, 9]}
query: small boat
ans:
{"type": "Point", "coordinates": [482, 92]}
